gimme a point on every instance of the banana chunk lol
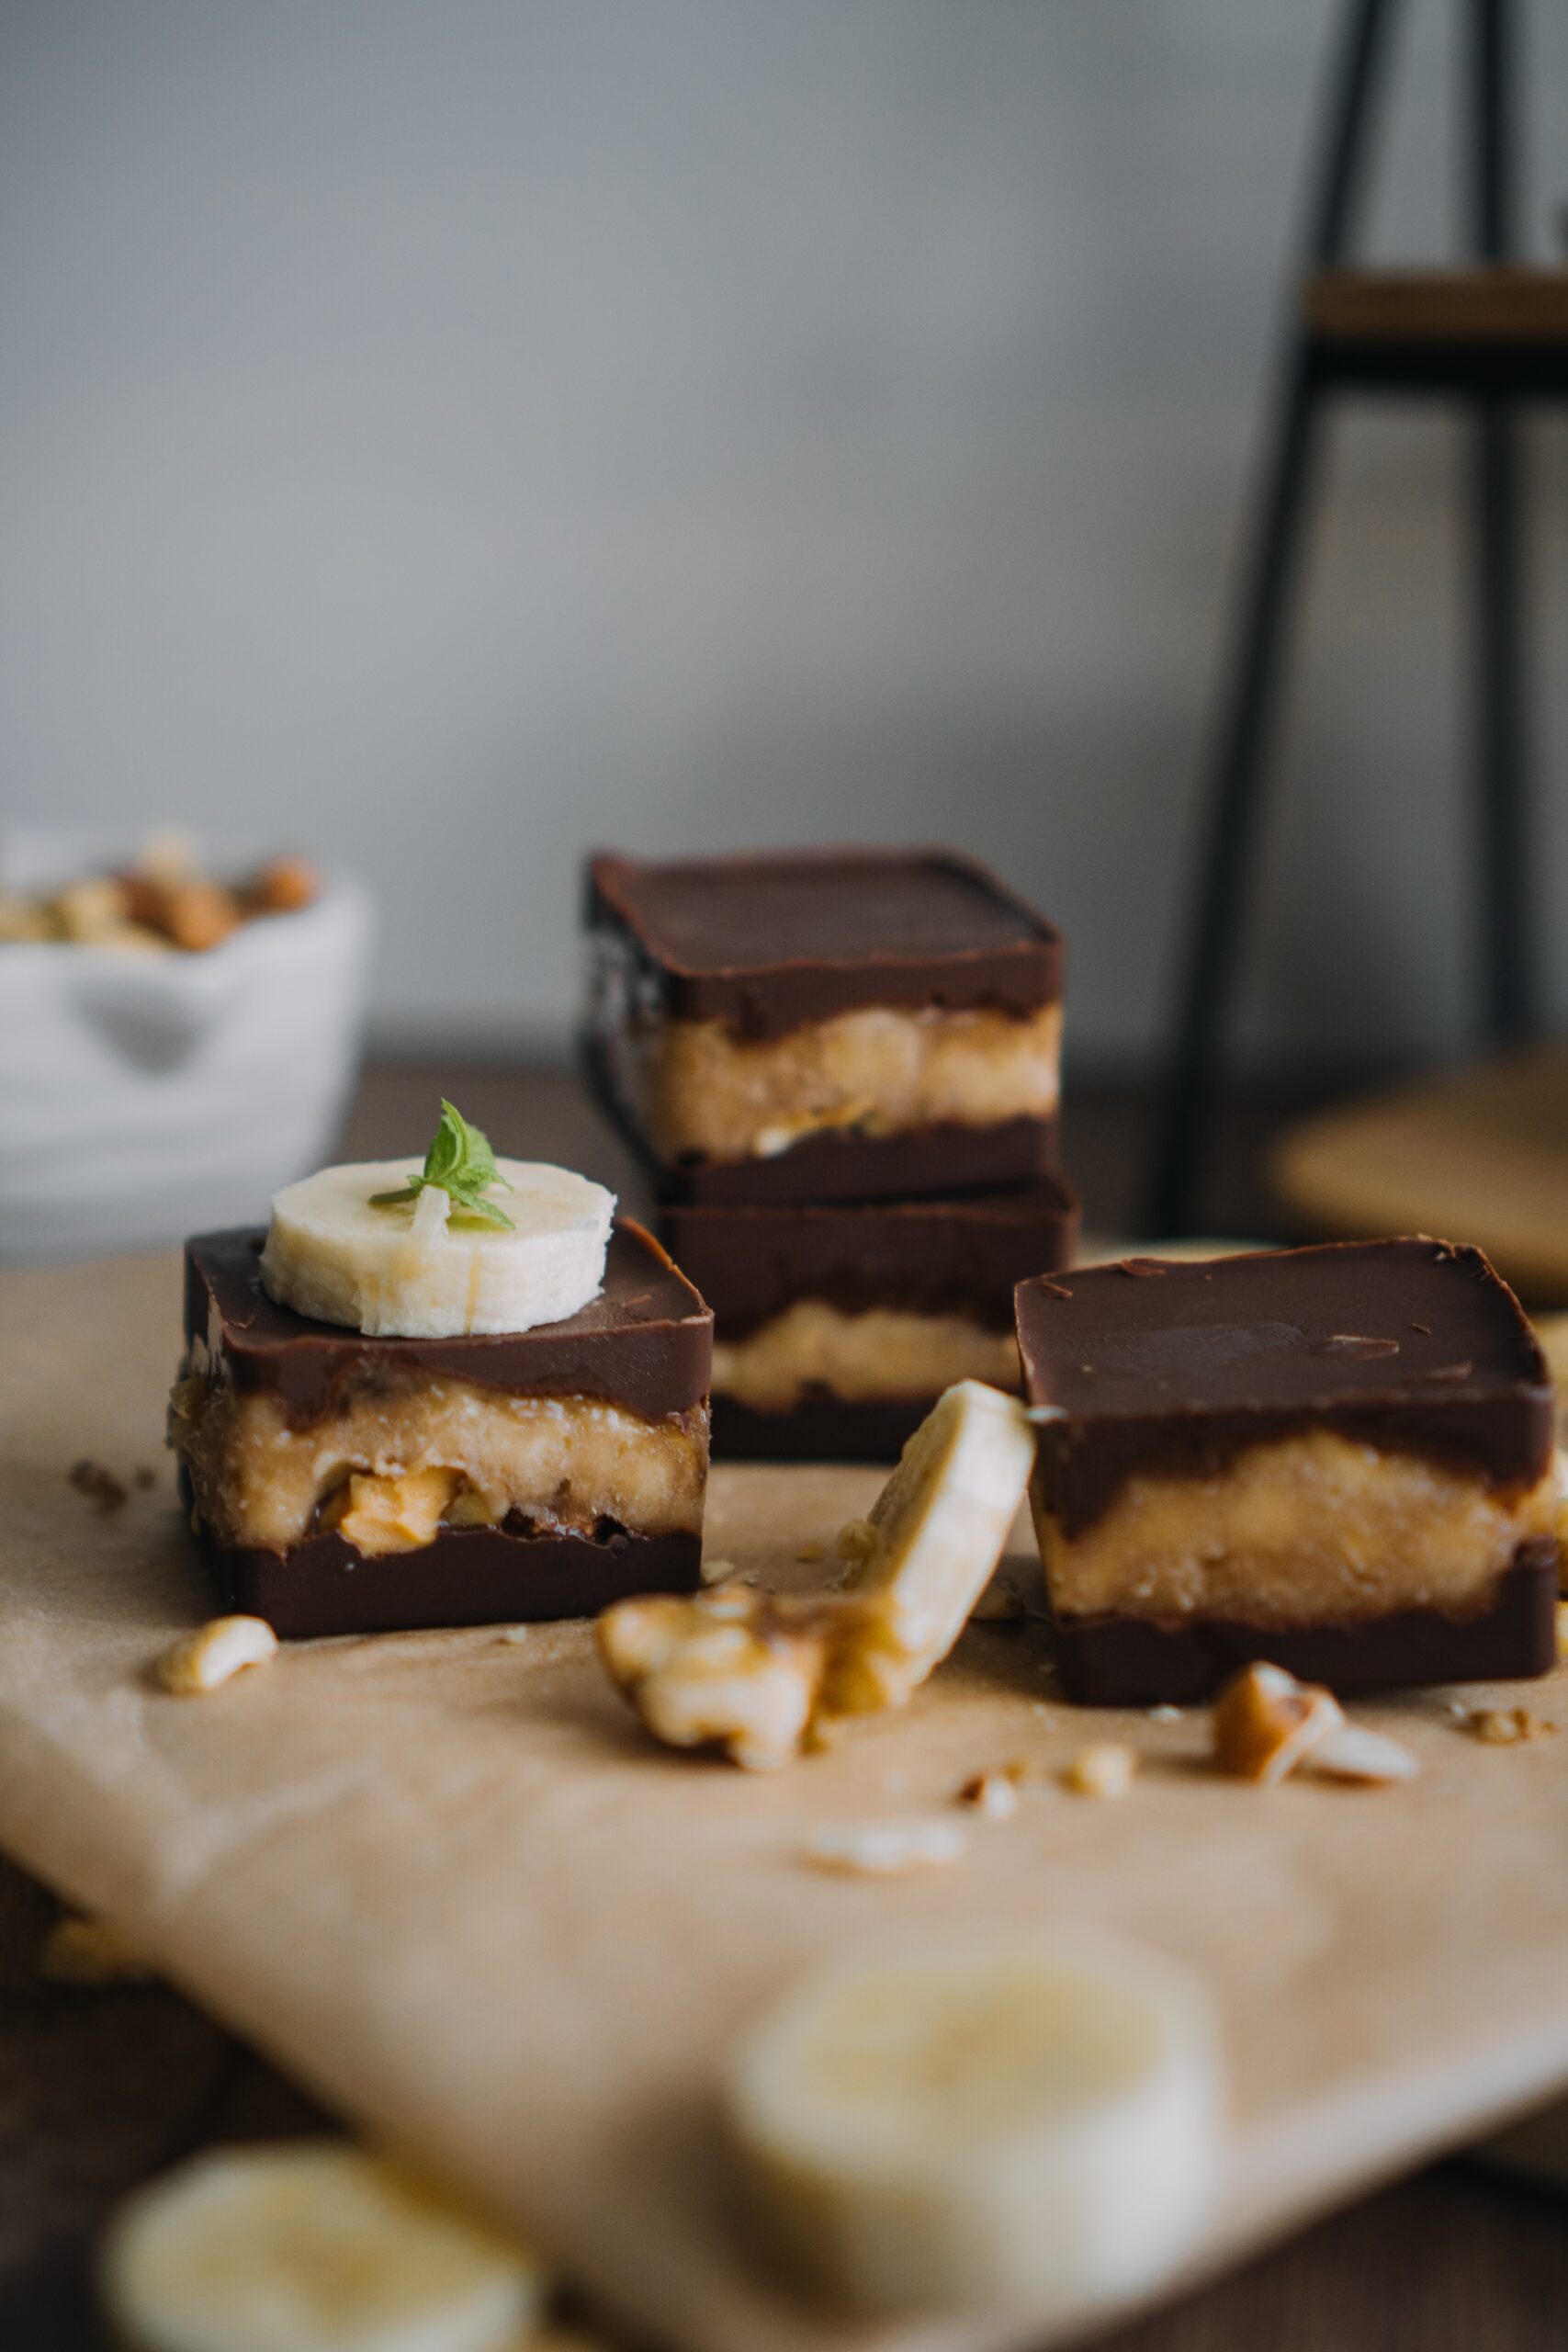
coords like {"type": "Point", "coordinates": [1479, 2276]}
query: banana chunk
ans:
{"type": "Point", "coordinates": [425, 1272]}
{"type": "Point", "coordinates": [934, 1538]}
{"type": "Point", "coordinates": [1003, 2121]}
{"type": "Point", "coordinates": [761, 1676]}
{"type": "Point", "coordinates": [309, 2246]}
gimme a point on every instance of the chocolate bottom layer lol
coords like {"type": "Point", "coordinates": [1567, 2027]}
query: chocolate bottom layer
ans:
{"type": "Point", "coordinates": [469, 1575]}
{"type": "Point", "coordinates": [839, 1165]}
{"type": "Point", "coordinates": [1137, 1662]}
{"type": "Point", "coordinates": [820, 1429]}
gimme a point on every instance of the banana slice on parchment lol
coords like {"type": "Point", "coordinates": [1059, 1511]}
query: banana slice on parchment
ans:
{"type": "Point", "coordinates": [1003, 2121]}
{"type": "Point", "coordinates": [423, 1269]}
{"type": "Point", "coordinates": [309, 2246]}
{"type": "Point", "coordinates": [932, 1539]}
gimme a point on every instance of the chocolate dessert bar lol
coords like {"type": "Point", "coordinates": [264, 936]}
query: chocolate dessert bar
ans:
{"type": "Point", "coordinates": [842, 1024]}
{"type": "Point", "coordinates": [1337, 1458]}
{"type": "Point", "coordinates": [344, 1484]}
{"type": "Point", "coordinates": [838, 1327]}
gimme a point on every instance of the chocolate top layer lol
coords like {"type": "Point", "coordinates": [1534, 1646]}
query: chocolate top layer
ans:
{"type": "Point", "coordinates": [1412, 1345]}
{"type": "Point", "coordinates": [769, 941]}
{"type": "Point", "coordinates": [938, 1257]}
{"type": "Point", "coordinates": [645, 1343]}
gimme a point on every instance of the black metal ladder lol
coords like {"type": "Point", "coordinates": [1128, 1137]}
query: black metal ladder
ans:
{"type": "Point", "coordinates": [1490, 335]}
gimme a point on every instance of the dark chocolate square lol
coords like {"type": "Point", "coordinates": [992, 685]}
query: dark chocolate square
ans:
{"type": "Point", "coordinates": [645, 1343]}
{"type": "Point", "coordinates": [964, 1256]}
{"type": "Point", "coordinates": [767, 941]}
{"type": "Point", "coordinates": [1414, 1346]}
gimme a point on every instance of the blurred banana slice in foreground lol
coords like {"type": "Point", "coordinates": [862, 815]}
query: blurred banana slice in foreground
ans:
{"type": "Point", "coordinates": [1014, 2122]}
{"type": "Point", "coordinates": [309, 2246]}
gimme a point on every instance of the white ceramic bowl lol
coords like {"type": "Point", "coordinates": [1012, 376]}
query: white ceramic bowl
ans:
{"type": "Point", "coordinates": [146, 1097]}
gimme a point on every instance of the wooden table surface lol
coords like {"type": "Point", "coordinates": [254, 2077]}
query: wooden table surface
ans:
{"type": "Point", "coordinates": [98, 2090]}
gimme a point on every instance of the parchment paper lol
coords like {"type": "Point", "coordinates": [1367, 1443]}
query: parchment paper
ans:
{"type": "Point", "coordinates": [443, 1879]}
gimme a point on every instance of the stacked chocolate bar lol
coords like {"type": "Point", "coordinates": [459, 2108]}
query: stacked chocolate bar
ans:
{"type": "Point", "coordinates": [842, 1072]}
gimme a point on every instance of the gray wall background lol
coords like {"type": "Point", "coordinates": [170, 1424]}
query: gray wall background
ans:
{"type": "Point", "coordinates": [449, 435]}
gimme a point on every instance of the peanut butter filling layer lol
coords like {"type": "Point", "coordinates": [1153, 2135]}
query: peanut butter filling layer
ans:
{"type": "Point", "coordinates": [1308, 1530]}
{"type": "Point", "coordinates": [699, 1089]}
{"type": "Point", "coordinates": [401, 1459]}
{"type": "Point", "coordinates": [886, 1352]}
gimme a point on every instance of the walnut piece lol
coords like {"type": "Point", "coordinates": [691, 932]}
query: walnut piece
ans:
{"type": "Point", "coordinates": [993, 1795]}
{"type": "Point", "coordinates": [1266, 1722]}
{"type": "Point", "coordinates": [1507, 1726]}
{"type": "Point", "coordinates": [1105, 1769]}
{"type": "Point", "coordinates": [757, 1675]}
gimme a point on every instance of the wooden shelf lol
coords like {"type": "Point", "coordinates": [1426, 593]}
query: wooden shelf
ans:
{"type": "Point", "coordinates": [1483, 306]}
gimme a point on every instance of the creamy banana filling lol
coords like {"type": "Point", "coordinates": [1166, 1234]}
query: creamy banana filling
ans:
{"type": "Point", "coordinates": [1314, 1529]}
{"type": "Point", "coordinates": [698, 1089]}
{"type": "Point", "coordinates": [402, 1458]}
{"type": "Point", "coordinates": [885, 1352]}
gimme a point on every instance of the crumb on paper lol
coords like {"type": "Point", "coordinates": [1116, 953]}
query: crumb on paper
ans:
{"type": "Point", "coordinates": [1016, 1590]}
{"type": "Point", "coordinates": [1104, 1768]}
{"type": "Point", "coordinates": [992, 1795]}
{"type": "Point", "coordinates": [717, 1571]}
{"type": "Point", "coordinates": [886, 1848]}
{"type": "Point", "coordinates": [1167, 1714]}
{"type": "Point", "coordinates": [1505, 1726]}
{"type": "Point", "coordinates": [1266, 1722]}
{"type": "Point", "coordinates": [214, 1654]}
{"type": "Point", "coordinates": [856, 1541]}
{"type": "Point", "coordinates": [515, 1634]}
{"type": "Point", "coordinates": [810, 1552]}
{"type": "Point", "coordinates": [100, 1487]}
{"type": "Point", "coordinates": [1355, 1752]}
{"type": "Point", "coordinates": [88, 1952]}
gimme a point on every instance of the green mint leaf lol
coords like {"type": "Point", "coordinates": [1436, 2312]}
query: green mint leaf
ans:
{"type": "Point", "coordinates": [477, 1211]}
{"type": "Point", "coordinates": [459, 1163]}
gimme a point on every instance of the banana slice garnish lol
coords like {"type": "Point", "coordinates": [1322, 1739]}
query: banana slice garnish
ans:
{"type": "Point", "coordinates": [425, 1272]}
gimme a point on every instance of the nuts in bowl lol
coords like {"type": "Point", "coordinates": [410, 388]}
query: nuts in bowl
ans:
{"type": "Point", "coordinates": [177, 1037]}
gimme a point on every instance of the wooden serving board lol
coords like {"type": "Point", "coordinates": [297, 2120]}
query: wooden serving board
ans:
{"type": "Point", "coordinates": [1474, 1155]}
{"type": "Point", "coordinates": [443, 1879]}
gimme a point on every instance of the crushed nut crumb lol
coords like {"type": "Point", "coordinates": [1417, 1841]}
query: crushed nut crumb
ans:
{"type": "Point", "coordinates": [1105, 1769]}
{"type": "Point", "coordinates": [102, 1489]}
{"type": "Point", "coordinates": [886, 1848]}
{"type": "Point", "coordinates": [518, 1634]}
{"type": "Point", "coordinates": [717, 1571]}
{"type": "Point", "coordinates": [812, 1552]}
{"type": "Point", "coordinates": [214, 1654]}
{"type": "Point", "coordinates": [1353, 1752]}
{"type": "Point", "coordinates": [1507, 1726]}
{"type": "Point", "coordinates": [856, 1541]}
{"type": "Point", "coordinates": [992, 1795]}
{"type": "Point", "coordinates": [88, 1952]}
